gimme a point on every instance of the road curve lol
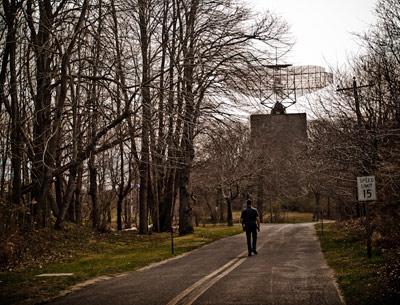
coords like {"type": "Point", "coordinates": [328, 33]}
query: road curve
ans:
{"type": "Point", "coordinates": [289, 270]}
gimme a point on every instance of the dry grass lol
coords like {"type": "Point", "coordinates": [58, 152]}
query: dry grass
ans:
{"type": "Point", "coordinates": [88, 255]}
{"type": "Point", "coordinates": [284, 217]}
{"type": "Point", "coordinates": [360, 279]}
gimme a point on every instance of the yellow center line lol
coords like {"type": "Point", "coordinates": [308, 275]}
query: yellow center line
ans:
{"type": "Point", "coordinates": [203, 280]}
{"type": "Point", "coordinates": [192, 293]}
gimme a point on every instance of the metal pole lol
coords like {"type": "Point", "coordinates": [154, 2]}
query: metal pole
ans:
{"type": "Point", "coordinates": [368, 231]}
{"type": "Point", "coordinates": [355, 88]}
{"type": "Point", "coordinates": [357, 104]}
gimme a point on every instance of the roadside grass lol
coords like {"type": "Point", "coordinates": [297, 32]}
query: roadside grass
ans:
{"type": "Point", "coordinates": [285, 217]}
{"type": "Point", "coordinates": [358, 277]}
{"type": "Point", "coordinates": [296, 217]}
{"type": "Point", "coordinates": [236, 216]}
{"type": "Point", "coordinates": [97, 255]}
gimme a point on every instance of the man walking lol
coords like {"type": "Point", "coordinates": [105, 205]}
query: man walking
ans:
{"type": "Point", "coordinates": [251, 224]}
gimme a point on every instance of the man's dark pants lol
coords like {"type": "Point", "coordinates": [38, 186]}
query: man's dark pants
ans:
{"type": "Point", "coordinates": [251, 236]}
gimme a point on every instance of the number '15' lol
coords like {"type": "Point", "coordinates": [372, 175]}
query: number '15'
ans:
{"type": "Point", "coordinates": [367, 193]}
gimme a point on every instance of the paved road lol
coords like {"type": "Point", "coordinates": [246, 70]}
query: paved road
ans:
{"type": "Point", "coordinates": [289, 270]}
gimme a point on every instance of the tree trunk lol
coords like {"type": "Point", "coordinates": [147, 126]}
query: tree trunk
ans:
{"type": "Point", "coordinates": [187, 149]}
{"type": "Point", "coordinates": [167, 203]}
{"type": "Point", "coordinates": [229, 212]}
{"type": "Point", "coordinates": [169, 183]}
{"type": "Point", "coordinates": [229, 204]}
{"type": "Point", "coordinates": [317, 213]}
{"type": "Point", "coordinates": [328, 212]}
{"type": "Point", "coordinates": [67, 200]}
{"type": "Point", "coordinates": [271, 211]}
{"type": "Point", "coordinates": [146, 104]}
{"type": "Point", "coordinates": [93, 125]}
{"type": "Point", "coordinates": [42, 103]}
{"type": "Point", "coordinates": [220, 204]}
{"type": "Point", "coordinates": [93, 191]}
{"type": "Point", "coordinates": [16, 139]}
{"type": "Point", "coordinates": [185, 211]}
{"type": "Point", "coordinates": [78, 190]}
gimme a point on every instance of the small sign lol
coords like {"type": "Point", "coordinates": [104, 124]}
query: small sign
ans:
{"type": "Point", "coordinates": [366, 188]}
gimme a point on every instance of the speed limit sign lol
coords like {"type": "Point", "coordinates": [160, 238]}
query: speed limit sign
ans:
{"type": "Point", "coordinates": [366, 188]}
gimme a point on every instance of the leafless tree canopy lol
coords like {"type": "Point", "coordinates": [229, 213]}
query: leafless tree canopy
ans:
{"type": "Point", "coordinates": [357, 130]}
{"type": "Point", "coordinates": [101, 102]}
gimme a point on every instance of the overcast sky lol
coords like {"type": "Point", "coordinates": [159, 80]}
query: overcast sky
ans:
{"type": "Point", "coordinates": [322, 28]}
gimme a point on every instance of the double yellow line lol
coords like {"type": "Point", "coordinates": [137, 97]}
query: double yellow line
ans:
{"type": "Point", "coordinates": [192, 293]}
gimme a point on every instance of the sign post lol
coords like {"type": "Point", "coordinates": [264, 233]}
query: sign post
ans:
{"type": "Point", "coordinates": [366, 190]}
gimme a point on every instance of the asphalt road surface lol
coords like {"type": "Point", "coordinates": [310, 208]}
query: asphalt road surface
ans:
{"type": "Point", "coordinates": [288, 270]}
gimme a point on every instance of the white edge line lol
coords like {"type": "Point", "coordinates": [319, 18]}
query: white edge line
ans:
{"type": "Point", "coordinates": [160, 263]}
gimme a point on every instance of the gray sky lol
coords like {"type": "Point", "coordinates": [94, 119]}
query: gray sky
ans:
{"type": "Point", "coordinates": [322, 28]}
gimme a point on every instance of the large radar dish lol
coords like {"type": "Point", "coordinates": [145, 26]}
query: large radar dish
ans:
{"type": "Point", "coordinates": [284, 83]}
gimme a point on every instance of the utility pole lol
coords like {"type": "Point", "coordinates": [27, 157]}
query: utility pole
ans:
{"type": "Point", "coordinates": [354, 88]}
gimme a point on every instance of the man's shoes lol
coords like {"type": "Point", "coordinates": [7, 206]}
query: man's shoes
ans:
{"type": "Point", "coordinates": [249, 254]}
{"type": "Point", "coordinates": [255, 252]}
